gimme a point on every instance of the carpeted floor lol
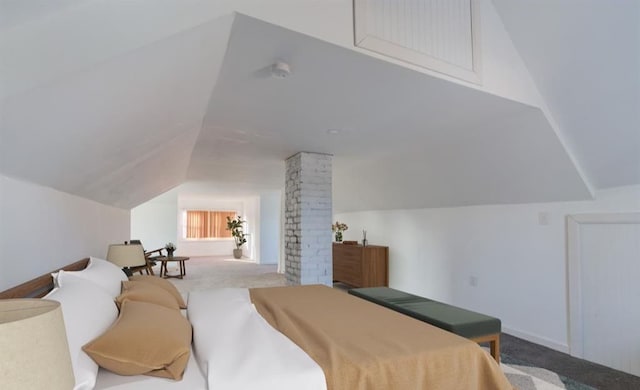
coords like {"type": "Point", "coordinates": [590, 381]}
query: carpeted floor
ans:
{"type": "Point", "coordinates": [209, 272]}
{"type": "Point", "coordinates": [528, 366]}
{"type": "Point", "coordinates": [588, 373]}
{"type": "Point", "coordinates": [525, 376]}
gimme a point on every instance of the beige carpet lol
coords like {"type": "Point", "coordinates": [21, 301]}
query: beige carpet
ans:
{"type": "Point", "coordinates": [224, 271]}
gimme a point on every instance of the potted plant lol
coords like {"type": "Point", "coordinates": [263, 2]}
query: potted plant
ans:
{"type": "Point", "coordinates": [338, 228]}
{"type": "Point", "coordinates": [235, 226]}
{"type": "Point", "coordinates": [170, 247]}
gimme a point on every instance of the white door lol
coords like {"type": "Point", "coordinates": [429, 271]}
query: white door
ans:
{"type": "Point", "coordinates": [608, 284]}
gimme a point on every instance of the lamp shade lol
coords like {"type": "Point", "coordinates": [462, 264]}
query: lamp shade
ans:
{"type": "Point", "coordinates": [34, 353]}
{"type": "Point", "coordinates": [126, 255]}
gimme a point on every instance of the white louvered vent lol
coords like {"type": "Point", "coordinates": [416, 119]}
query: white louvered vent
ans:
{"type": "Point", "coordinates": [440, 35]}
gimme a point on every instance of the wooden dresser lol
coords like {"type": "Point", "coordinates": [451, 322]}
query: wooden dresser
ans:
{"type": "Point", "coordinates": [361, 266]}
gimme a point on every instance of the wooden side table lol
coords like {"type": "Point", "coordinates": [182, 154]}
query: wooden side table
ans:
{"type": "Point", "coordinates": [163, 266]}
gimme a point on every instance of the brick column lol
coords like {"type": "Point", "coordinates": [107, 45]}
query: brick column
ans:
{"type": "Point", "coordinates": [308, 258]}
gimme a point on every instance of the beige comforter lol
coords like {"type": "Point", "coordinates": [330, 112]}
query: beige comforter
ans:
{"type": "Point", "coordinates": [361, 345]}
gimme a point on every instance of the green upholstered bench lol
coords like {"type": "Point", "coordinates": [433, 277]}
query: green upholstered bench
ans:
{"type": "Point", "coordinates": [474, 326]}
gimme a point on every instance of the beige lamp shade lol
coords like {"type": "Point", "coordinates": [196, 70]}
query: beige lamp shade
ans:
{"type": "Point", "coordinates": [126, 255]}
{"type": "Point", "coordinates": [34, 353]}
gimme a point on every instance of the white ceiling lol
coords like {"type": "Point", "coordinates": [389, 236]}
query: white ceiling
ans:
{"type": "Point", "coordinates": [119, 131]}
{"type": "Point", "coordinates": [17, 12]}
{"type": "Point", "coordinates": [584, 56]}
{"type": "Point", "coordinates": [182, 101]}
{"type": "Point", "coordinates": [408, 140]}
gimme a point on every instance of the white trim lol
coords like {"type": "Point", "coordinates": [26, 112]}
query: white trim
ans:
{"type": "Point", "coordinates": [360, 26]}
{"type": "Point", "coordinates": [607, 218]}
{"type": "Point", "coordinates": [555, 345]}
{"type": "Point", "coordinates": [574, 270]}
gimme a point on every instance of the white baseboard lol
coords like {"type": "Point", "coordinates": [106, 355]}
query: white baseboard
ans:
{"type": "Point", "coordinates": [537, 339]}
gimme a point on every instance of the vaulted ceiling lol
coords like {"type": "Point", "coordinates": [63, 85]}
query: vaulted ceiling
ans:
{"type": "Point", "coordinates": [584, 56]}
{"type": "Point", "coordinates": [122, 101]}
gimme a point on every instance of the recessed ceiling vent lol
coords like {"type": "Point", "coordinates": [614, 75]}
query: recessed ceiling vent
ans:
{"type": "Point", "coordinates": [438, 35]}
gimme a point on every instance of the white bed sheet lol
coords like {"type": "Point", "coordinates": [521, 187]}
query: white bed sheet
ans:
{"type": "Point", "coordinates": [238, 350]}
{"type": "Point", "coordinates": [234, 348]}
{"type": "Point", "coordinates": [193, 379]}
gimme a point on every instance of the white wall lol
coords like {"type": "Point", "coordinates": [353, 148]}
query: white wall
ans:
{"type": "Point", "coordinates": [155, 223]}
{"type": "Point", "coordinates": [270, 210]}
{"type": "Point", "coordinates": [42, 229]}
{"type": "Point", "coordinates": [159, 221]}
{"type": "Point", "coordinates": [251, 214]}
{"type": "Point", "coordinates": [518, 261]}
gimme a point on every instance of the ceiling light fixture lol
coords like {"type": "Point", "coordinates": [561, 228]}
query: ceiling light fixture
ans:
{"type": "Point", "coordinates": [333, 131]}
{"type": "Point", "coordinates": [280, 70]}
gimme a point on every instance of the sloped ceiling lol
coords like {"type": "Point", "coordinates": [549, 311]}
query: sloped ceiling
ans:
{"type": "Point", "coordinates": [119, 131]}
{"type": "Point", "coordinates": [584, 56]}
{"type": "Point", "coordinates": [125, 122]}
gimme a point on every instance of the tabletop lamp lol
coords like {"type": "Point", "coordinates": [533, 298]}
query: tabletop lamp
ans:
{"type": "Point", "coordinates": [34, 353]}
{"type": "Point", "coordinates": [126, 256]}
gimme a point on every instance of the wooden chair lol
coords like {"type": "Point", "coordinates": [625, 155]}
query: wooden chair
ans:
{"type": "Point", "coordinates": [148, 255]}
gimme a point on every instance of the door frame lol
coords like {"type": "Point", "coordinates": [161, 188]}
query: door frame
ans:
{"type": "Point", "coordinates": [574, 269]}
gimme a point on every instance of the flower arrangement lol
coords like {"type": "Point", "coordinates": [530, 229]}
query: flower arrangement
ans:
{"type": "Point", "coordinates": [170, 247]}
{"type": "Point", "coordinates": [338, 228]}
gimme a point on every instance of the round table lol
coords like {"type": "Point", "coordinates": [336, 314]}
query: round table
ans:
{"type": "Point", "coordinates": [163, 266]}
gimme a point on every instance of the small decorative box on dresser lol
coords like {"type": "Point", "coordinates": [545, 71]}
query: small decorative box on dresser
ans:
{"type": "Point", "coordinates": [361, 266]}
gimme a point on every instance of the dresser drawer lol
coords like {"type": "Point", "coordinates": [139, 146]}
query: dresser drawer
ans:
{"type": "Point", "coordinates": [348, 251]}
{"type": "Point", "coordinates": [360, 266]}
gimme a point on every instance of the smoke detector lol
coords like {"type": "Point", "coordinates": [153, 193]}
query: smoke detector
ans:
{"type": "Point", "coordinates": [280, 70]}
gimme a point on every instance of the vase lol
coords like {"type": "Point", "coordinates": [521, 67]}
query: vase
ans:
{"type": "Point", "coordinates": [237, 253]}
{"type": "Point", "coordinates": [338, 236]}
{"type": "Point", "coordinates": [170, 252]}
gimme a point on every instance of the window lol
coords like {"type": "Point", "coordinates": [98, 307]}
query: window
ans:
{"type": "Point", "coordinates": [203, 224]}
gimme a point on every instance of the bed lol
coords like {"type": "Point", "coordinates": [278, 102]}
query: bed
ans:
{"type": "Point", "coordinates": [300, 337]}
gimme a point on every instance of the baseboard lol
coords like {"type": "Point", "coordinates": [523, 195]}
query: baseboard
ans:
{"type": "Point", "coordinates": [537, 339]}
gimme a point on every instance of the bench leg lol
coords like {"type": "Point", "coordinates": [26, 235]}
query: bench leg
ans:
{"type": "Point", "coordinates": [494, 344]}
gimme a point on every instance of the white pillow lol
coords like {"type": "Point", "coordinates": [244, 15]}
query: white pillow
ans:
{"type": "Point", "coordinates": [87, 311]}
{"type": "Point", "coordinates": [103, 273]}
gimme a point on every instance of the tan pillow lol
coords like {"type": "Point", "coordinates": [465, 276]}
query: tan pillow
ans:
{"type": "Point", "coordinates": [145, 339]}
{"type": "Point", "coordinates": [146, 292]}
{"type": "Point", "coordinates": [162, 283]}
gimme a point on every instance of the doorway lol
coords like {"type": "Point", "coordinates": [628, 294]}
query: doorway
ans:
{"type": "Point", "coordinates": [604, 289]}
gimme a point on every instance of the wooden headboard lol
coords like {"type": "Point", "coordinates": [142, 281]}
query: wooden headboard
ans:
{"type": "Point", "coordinates": [40, 286]}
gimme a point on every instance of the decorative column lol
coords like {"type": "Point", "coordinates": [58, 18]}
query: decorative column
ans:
{"type": "Point", "coordinates": [308, 246]}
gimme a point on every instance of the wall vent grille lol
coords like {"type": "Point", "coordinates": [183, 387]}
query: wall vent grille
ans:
{"type": "Point", "coordinates": [440, 35]}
